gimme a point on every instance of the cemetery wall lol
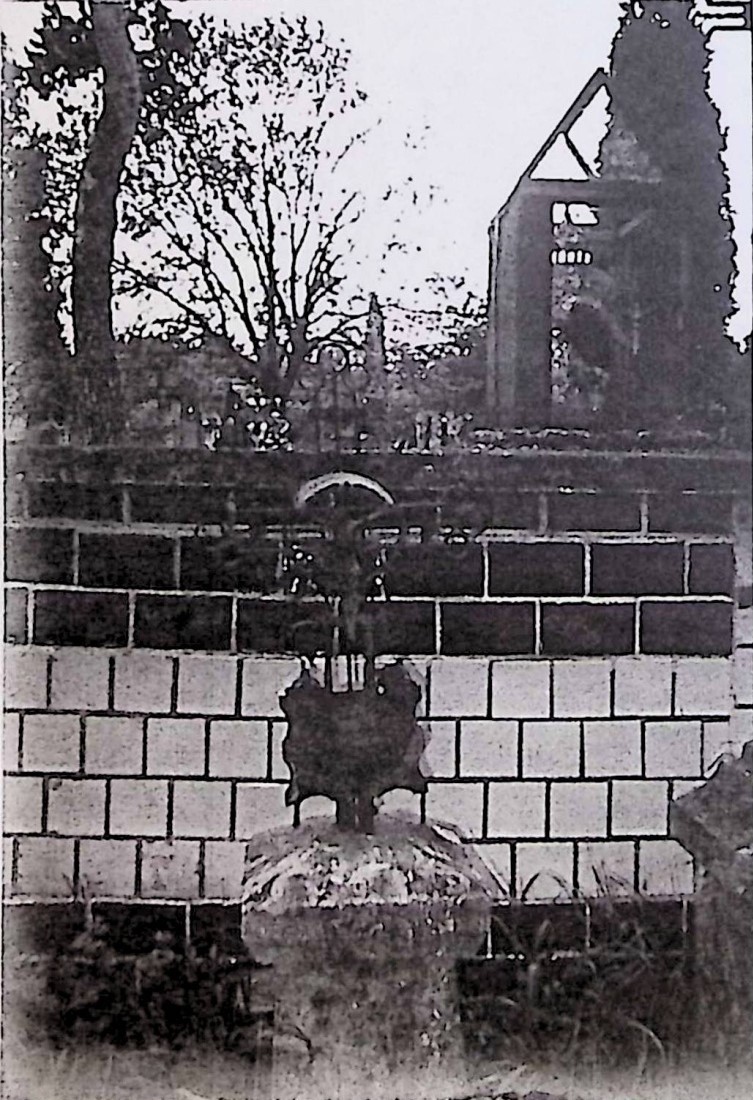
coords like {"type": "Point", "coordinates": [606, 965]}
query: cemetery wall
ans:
{"type": "Point", "coordinates": [581, 624]}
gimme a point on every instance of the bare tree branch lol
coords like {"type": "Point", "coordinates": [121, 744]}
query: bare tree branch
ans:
{"type": "Point", "coordinates": [254, 212]}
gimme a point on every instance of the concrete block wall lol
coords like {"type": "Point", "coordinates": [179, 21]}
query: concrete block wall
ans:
{"type": "Point", "coordinates": [584, 654]}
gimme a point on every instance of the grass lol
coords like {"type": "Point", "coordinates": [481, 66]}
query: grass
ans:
{"type": "Point", "coordinates": [571, 1028]}
{"type": "Point", "coordinates": [34, 1071]}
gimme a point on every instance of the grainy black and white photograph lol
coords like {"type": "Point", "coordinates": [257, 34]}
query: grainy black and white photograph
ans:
{"type": "Point", "coordinates": [378, 552]}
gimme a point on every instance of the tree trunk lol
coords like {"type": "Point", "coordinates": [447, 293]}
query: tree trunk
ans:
{"type": "Point", "coordinates": [96, 366]}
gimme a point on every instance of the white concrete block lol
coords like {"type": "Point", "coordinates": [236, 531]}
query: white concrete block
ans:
{"type": "Point", "coordinates": [520, 689]}
{"type": "Point", "coordinates": [643, 686]}
{"type": "Point", "coordinates": [551, 749]}
{"type": "Point", "coordinates": [114, 746]}
{"type": "Point", "coordinates": [11, 725]}
{"type": "Point", "coordinates": [605, 867]}
{"type": "Point", "coordinates": [459, 804]}
{"type": "Point", "coordinates": [138, 807]}
{"type": "Point", "coordinates": [76, 807]}
{"type": "Point", "coordinates": [613, 748]}
{"type": "Point", "coordinates": [459, 687]}
{"type": "Point", "coordinates": [516, 809]}
{"type": "Point", "coordinates": [175, 746]}
{"type": "Point", "coordinates": [545, 870]}
{"type": "Point", "coordinates": [170, 869]}
{"type": "Point", "coordinates": [223, 868]}
{"type": "Point", "coordinates": [201, 808]}
{"type": "Point", "coordinates": [579, 809]}
{"type": "Point", "coordinates": [665, 868]}
{"type": "Point", "coordinates": [52, 743]}
{"type": "Point", "coordinates": [260, 806]}
{"type": "Point", "coordinates": [704, 686]}
{"type": "Point", "coordinates": [45, 867]}
{"type": "Point", "coordinates": [581, 688]}
{"type": "Point", "coordinates": [107, 868]}
{"type": "Point", "coordinates": [143, 682]}
{"type": "Point", "coordinates": [264, 680]}
{"type": "Point", "coordinates": [742, 662]}
{"type": "Point", "coordinates": [639, 807]}
{"type": "Point", "coordinates": [439, 755]}
{"type": "Point", "coordinates": [489, 747]}
{"type": "Point", "coordinates": [80, 679]}
{"type": "Point", "coordinates": [22, 804]}
{"type": "Point", "coordinates": [239, 748]}
{"type": "Point", "coordinates": [207, 685]}
{"type": "Point", "coordinates": [25, 678]}
{"type": "Point", "coordinates": [673, 748]}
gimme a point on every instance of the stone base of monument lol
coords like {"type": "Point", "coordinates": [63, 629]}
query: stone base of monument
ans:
{"type": "Point", "coordinates": [362, 933]}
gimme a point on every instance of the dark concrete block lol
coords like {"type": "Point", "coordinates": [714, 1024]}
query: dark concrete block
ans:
{"type": "Point", "coordinates": [515, 511]}
{"type": "Point", "coordinates": [656, 923]}
{"type": "Point", "coordinates": [239, 564]}
{"type": "Point", "coordinates": [481, 981]}
{"type": "Point", "coordinates": [216, 926]}
{"type": "Point", "coordinates": [81, 618]}
{"type": "Point", "coordinates": [263, 505]}
{"type": "Point", "coordinates": [693, 513]}
{"type": "Point", "coordinates": [469, 511]}
{"type": "Point", "coordinates": [536, 569]}
{"type": "Point", "coordinates": [131, 928]}
{"type": "Point", "coordinates": [487, 628]}
{"type": "Point", "coordinates": [183, 622]}
{"type": "Point", "coordinates": [403, 629]}
{"type": "Point", "coordinates": [435, 569]}
{"type": "Point", "coordinates": [744, 595]}
{"type": "Point", "coordinates": [41, 928]}
{"type": "Point", "coordinates": [594, 512]}
{"type": "Point", "coordinates": [712, 570]}
{"type": "Point", "coordinates": [53, 500]}
{"type": "Point", "coordinates": [630, 569]}
{"type": "Point", "coordinates": [689, 629]}
{"type": "Point", "coordinates": [532, 927]}
{"type": "Point", "coordinates": [15, 615]}
{"type": "Point", "coordinates": [197, 504]}
{"type": "Point", "coordinates": [126, 561]}
{"type": "Point", "coordinates": [284, 626]}
{"type": "Point", "coordinates": [39, 554]}
{"type": "Point", "coordinates": [579, 629]}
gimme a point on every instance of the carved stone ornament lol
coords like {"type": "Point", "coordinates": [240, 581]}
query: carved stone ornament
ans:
{"type": "Point", "coordinates": [353, 746]}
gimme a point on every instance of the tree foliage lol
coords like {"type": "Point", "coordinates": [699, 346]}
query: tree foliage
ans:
{"type": "Point", "coordinates": [665, 129]}
{"type": "Point", "coordinates": [436, 385]}
{"type": "Point", "coordinates": [123, 55]}
{"type": "Point", "coordinates": [197, 223]}
{"type": "Point", "coordinates": [166, 221]}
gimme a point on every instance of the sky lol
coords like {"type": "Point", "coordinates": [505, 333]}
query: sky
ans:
{"type": "Point", "coordinates": [479, 85]}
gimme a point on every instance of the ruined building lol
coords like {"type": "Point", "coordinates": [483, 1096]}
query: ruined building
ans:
{"type": "Point", "coordinates": [611, 261]}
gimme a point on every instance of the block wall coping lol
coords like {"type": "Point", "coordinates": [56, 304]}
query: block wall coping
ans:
{"type": "Point", "coordinates": [524, 468]}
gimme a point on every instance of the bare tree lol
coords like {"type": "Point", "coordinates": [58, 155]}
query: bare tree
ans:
{"type": "Point", "coordinates": [235, 218]}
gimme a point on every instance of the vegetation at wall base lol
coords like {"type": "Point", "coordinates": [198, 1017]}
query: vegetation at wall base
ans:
{"type": "Point", "coordinates": [165, 996]}
{"type": "Point", "coordinates": [618, 998]}
{"type": "Point", "coordinates": [622, 998]}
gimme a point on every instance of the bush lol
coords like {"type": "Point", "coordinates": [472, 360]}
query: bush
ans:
{"type": "Point", "coordinates": [161, 997]}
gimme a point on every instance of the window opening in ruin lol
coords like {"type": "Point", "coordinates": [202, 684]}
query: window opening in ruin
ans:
{"type": "Point", "coordinates": [560, 162]}
{"type": "Point", "coordinates": [589, 129]}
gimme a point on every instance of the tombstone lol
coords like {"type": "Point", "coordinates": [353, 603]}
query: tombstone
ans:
{"type": "Point", "coordinates": [715, 823]}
